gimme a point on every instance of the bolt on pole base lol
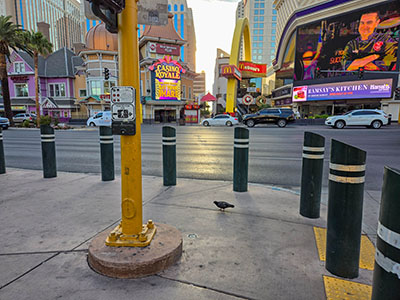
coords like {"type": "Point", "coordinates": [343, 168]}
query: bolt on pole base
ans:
{"type": "Point", "coordinates": [117, 239]}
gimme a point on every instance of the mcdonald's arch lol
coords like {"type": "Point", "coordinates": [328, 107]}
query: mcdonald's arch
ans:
{"type": "Point", "coordinates": [242, 29]}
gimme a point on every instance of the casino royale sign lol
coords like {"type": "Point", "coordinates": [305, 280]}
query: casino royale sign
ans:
{"type": "Point", "coordinates": [166, 79]}
{"type": "Point", "coordinates": [168, 72]}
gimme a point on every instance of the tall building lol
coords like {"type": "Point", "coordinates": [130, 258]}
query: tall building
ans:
{"type": "Point", "coordinates": [62, 16]}
{"type": "Point", "coordinates": [184, 26]}
{"type": "Point", "coordinates": [199, 84]}
{"type": "Point", "coordinates": [262, 18]}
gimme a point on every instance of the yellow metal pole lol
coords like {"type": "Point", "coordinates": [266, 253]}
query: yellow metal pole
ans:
{"type": "Point", "coordinates": [131, 231]}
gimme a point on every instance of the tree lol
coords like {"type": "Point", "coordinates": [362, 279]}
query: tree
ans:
{"type": "Point", "coordinates": [38, 44]}
{"type": "Point", "coordinates": [10, 37]}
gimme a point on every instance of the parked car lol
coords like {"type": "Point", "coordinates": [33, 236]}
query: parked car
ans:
{"type": "Point", "coordinates": [4, 123]}
{"type": "Point", "coordinates": [220, 120]}
{"type": "Point", "coordinates": [371, 118]}
{"type": "Point", "coordinates": [278, 116]}
{"type": "Point", "coordinates": [20, 118]}
{"type": "Point", "coordinates": [102, 118]}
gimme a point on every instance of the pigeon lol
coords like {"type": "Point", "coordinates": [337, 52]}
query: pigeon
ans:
{"type": "Point", "coordinates": [222, 205]}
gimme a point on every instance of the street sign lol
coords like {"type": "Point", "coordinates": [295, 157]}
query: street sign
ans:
{"type": "Point", "coordinates": [247, 99]}
{"type": "Point", "coordinates": [153, 12]}
{"type": "Point", "coordinates": [123, 103]}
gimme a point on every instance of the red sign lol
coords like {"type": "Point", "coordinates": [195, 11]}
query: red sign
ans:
{"type": "Point", "coordinates": [105, 96]}
{"type": "Point", "coordinates": [251, 70]}
{"type": "Point", "coordinates": [231, 71]}
{"type": "Point", "coordinates": [19, 78]}
{"type": "Point", "coordinates": [164, 49]}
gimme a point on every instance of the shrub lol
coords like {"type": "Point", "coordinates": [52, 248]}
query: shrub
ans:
{"type": "Point", "coordinates": [25, 123]}
{"type": "Point", "coordinates": [45, 120]}
{"type": "Point", "coordinates": [321, 116]}
{"type": "Point", "coordinates": [56, 121]}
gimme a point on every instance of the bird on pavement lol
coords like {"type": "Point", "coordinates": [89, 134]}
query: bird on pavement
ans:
{"type": "Point", "coordinates": [222, 205]}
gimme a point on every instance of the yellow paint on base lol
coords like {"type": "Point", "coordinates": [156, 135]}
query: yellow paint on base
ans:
{"type": "Point", "coordinates": [367, 250]}
{"type": "Point", "coordinates": [339, 289]}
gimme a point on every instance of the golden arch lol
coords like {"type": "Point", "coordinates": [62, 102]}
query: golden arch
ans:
{"type": "Point", "coordinates": [242, 29]}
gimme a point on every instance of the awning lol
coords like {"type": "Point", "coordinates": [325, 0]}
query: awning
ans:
{"type": "Point", "coordinates": [208, 97]}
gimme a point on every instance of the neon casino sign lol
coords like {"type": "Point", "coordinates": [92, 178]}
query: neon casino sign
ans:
{"type": "Point", "coordinates": [166, 74]}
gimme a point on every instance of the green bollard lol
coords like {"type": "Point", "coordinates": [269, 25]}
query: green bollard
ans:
{"type": "Point", "coordinates": [386, 279]}
{"type": "Point", "coordinates": [169, 155]}
{"type": "Point", "coordinates": [48, 151]}
{"type": "Point", "coordinates": [2, 160]}
{"type": "Point", "coordinates": [106, 153]}
{"type": "Point", "coordinates": [345, 205]}
{"type": "Point", "coordinates": [241, 159]}
{"type": "Point", "coordinates": [311, 175]}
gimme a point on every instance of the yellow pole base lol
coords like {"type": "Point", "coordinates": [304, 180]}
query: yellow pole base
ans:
{"type": "Point", "coordinates": [143, 239]}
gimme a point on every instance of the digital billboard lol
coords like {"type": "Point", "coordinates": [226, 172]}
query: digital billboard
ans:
{"type": "Point", "coordinates": [367, 38]}
{"type": "Point", "coordinates": [166, 77]}
{"type": "Point", "coordinates": [377, 88]}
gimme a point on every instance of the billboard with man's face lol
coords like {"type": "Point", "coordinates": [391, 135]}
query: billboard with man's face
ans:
{"type": "Point", "coordinates": [366, 38]}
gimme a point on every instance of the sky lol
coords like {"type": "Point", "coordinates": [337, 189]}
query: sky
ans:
{"type": "Point", "coordinates": [214, 23]}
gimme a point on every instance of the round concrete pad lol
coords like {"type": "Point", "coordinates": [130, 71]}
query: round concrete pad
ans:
{"type": "Point", "coordinates": [134, 262]}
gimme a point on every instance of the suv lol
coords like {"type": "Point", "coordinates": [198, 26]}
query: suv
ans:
{"type": "Point", "coordinates": [279, 116]}
{"type": "Point", "coordinates": [371, 118]}
{"type": "Point", "coordinates": [4, 123]}
{"type": "Point", "coordinates": [20, 118]}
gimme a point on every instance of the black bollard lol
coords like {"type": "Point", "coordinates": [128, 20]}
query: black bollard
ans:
{"type": "Point", "coordinates": [169, 155]}
{"type": "Point", "coordinates": [311, 175]}
{"type": "Point", "coordinates": [345, 204]}
{"type": "Point", "coordinates": [48, 151]}
{"type": "Point", "coordinates": [2, 160]}
{"type": "Point", "coordinates": [241, 159]}
{"type": "Point", "coordinates": [386, 280]}
{"type": "Point", "coordinates": [106, 153]}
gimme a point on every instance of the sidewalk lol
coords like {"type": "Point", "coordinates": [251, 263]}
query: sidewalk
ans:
{"type": "Point", "coordinates": [261, 249]}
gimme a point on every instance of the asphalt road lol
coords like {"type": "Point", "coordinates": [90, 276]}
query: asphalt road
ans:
{"type": "Point", "coordinates": [207, 153]}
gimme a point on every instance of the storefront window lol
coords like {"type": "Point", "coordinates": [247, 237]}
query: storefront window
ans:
{"type": "Point", "coordinates": [21, 90]}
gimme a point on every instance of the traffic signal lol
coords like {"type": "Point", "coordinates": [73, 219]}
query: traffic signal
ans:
{"type": "Point", "coordinates": [318, 72]}
{"type": "Point", "coordinates": [360, 73]}
{"type": "Point", "coordinates": [106, 73]}
{"type": "Point", "coordinates": [397, 93]}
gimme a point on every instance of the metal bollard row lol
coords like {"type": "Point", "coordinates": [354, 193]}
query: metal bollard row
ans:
{"type": "Point", "coordinates": [241, 159]}
{"type": "Point", "coordinates": [2, 159]}
{"type": "Point", "coordinates": [311, 178]}
{"type": "Point", "coordinates": [386, 278]}
{"type": "Point", "coordinates": [48, 151]}
{"type": "Point", "coordinates": [107, 153]}
{"type": "Point", "coordinates": [345, 204]}
{"type": "Point", "coordinates": [169, 155]}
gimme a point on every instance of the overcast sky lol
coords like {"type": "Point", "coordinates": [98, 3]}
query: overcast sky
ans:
{"type": "Point", "coordinates": [214, 22]}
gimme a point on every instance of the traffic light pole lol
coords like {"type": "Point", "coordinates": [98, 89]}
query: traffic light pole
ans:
{"type": "Point", "coordinates": [130, 232]}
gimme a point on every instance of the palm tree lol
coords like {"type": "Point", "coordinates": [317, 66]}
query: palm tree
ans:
{"type": "Point", "coordinates": [10, 37]}
{"type": "Point", "coordinates": [38, 44]}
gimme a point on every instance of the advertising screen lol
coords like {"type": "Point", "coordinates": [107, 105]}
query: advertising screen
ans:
{"type": "Point", "coordinates": [377, 88]}
{"type": "Point", "coordinates": [367, 38]}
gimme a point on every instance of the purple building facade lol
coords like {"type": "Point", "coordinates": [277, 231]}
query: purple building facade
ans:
{"type": "Point", "coordinates": [56, 81]}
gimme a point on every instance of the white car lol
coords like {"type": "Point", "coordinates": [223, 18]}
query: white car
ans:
{"type": "Point", "coordinates": [371, 118]}
{"type": "Point", "coordinates": [102, 118]}
{"type": "Point", "coordinates": [220, 120]}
